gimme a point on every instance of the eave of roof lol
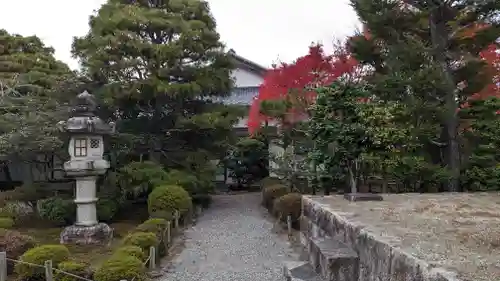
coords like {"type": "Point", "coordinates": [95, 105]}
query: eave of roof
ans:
{"type": "Point", "coordinates": [241, 62]}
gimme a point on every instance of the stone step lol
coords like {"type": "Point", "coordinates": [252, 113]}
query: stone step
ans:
{"type": "Point", "coordinates": [332, 259]}
{"type": "Point", "coordinates": [300, 271]}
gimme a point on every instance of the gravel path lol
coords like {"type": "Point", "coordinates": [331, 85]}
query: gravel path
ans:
{"type": "Point", "coordinates": [232, 241]}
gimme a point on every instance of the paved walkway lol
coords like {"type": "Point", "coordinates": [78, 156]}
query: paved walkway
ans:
{"type": "Point", "coordinates": [232, 241]}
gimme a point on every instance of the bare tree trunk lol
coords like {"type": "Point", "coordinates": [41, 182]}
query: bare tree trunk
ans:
{"type": "Point", "coordinates": [353, 175]}
{"type": "Point", "coordinates": [439, 35]}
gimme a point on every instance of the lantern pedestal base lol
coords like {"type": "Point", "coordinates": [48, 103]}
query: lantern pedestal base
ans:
{"type": "Point", "coordinates": [100, 233]}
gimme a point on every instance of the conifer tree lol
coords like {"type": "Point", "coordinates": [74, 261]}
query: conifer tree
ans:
{"type": "Point", "coordinates": [158, 65]}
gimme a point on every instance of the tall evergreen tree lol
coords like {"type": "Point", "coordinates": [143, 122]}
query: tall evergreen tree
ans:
{"type": "Point", "coordinates": [34, 89]}
{"type": "Point", "coordinates": [158, 65]}
{"type": "Point", "coordinates": [426, 54]}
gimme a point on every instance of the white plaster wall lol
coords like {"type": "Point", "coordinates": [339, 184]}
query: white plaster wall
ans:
{"type": "Point", "coordinates": [244, 78]}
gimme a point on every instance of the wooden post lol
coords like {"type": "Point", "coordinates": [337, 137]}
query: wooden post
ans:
{"type": "Point", "coordinates": [169, 233]}
{"type": "Point", "coordinates": [289, 224]}
{"type": "Point", "coordinates": [152, 258]}
{"type": "Point", "coordinates": [48, 271]}
{"type": "Point", "coordinates": [3, 266]}
{"type": "Point", "coordinates": [176, 219]}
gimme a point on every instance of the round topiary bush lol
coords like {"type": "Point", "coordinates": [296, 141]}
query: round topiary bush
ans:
{"type": "Point", "coordinates": [57, 210]}
{"type": "Point", "coordinates": [272, 192]}
{"type": "Point", "coordinates": [73, 267]}
{"type": "Point", "coordinates": [157, 226]}
{"type": "Point", "coordinates": [134, 251]}
{"type": "Point", "coordinates": [119, 268]}
{"type": "Point", "coordinates": [288, 205]}
{"type": "Point", "coordinates": [38, 255]}
{"type": "Point", "coordinates": [165, 199]}
{"type": "Point", "coordinates": [143, 240]}
{"type": "Point", "coordinates": [183, 179]}
{"type": "Point", "coordinates": [14, 244]}
{"type": "Point", "coordinates": [6, 223]}
{"type": "Point", "coordinates": [106, 209]}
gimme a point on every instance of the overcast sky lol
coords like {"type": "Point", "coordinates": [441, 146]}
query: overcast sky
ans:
{"type": "Point", "coordinates": [259, 30]}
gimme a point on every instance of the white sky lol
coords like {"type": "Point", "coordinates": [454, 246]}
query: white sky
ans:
{"type": "Point", "coordinates": [259, 30]}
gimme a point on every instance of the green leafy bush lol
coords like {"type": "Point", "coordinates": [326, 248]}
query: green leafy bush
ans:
{"type": "Point", "coordinates": [73, 267]}
{"type": "Point", "coordinates": [138, 178]}
{"type": "Point", "coordinates": [204, 200]}
{"type": "Point", "coordinates": [107, 208]}
{"type": "Point", "coordinates": [183, 179]}
{"type": "Point", "coordinates": [119, 268]}
{"type": "Point", "coordinates": [272, 192]}
{"type": "Point", "coordinates": [143, 240]}
{"type": "Point", "coordinates": [165, 199]}
{"type": "Point", "coordinates": [269, 181]}
{"type": "Point", "coordinates": [288, 204]}
{"type": "Point", "coordinates": [248, 161]}
{"type": "Point", "coordinates": [130, 250]}
{"type": "Point", "coordinates": [57, 210]}
{"type": "Point", "coordinates": [14, 244]}
{"type": "Point", "coordinates": [157, 226]}
{"type": "Point", "coordinates": [6, 222]}
{"type": "Point", "coordinates": [38, 255]}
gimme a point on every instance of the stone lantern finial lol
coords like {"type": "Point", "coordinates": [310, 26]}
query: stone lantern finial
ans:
{"type": "Point", "coordinates": [85, 105]}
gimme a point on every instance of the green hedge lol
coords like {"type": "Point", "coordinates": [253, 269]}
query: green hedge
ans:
{"type": "Point", "coordinates": [165, 199]}
{"type": "Point", "coordinates": [38, 255]}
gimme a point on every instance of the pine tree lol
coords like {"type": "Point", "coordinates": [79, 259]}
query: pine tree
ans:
{"type": "Point", "coordinates": [34, 90]}
{"type": "Point", "coordinates": [158, 65]}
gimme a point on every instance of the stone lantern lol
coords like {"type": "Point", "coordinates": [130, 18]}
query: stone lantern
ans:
{"type": "Point", "coordinates": [86, 148]}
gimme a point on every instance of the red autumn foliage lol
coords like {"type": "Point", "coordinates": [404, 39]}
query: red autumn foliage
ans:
{"type": "Point", "coordinates": [312, 70]}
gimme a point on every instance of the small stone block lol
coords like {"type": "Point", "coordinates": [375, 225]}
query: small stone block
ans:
{"type": "Point", "coordinates": [299, 271]}
{"type": "Point", "coordinates": [333, 259]}
{"type": "Point", "coordinates": [353, 197]}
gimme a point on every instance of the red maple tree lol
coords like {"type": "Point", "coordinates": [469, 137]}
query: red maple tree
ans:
{"type": "Point", "coordinates": [312, 70]}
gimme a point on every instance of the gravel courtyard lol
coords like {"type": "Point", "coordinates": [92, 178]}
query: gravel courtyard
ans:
{"type": "Point", "coordinates": [232, 241]}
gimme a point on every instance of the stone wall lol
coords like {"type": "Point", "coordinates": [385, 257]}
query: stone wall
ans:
{"type": "Point", "coordinates": [378, 260]}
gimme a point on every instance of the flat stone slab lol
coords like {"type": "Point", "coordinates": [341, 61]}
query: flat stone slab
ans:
{"type": "Point", "coordinates": [428, 237]}
{"type": "Point", "coordinates": [353, 197]}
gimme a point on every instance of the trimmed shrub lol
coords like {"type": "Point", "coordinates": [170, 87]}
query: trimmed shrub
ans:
{"type": "Point", "coordinates": [269, 181]}
{"type": "Point", "coordinates": [56, 210]}
{"type": "Point", "coordinates": [143, 240]}
{"type": "Point", "coordinates": [204, 200]}
{"type": "Point", "coordinates": [73, 267]}
{"type": "Point", "coordinates": [183, 179]}
{"type": "Point", "coordinates": [106, 209]}
{"type": "Point", "coordinates": [165, 199]}
{"type": "Point", "coordinates": [272, 192]}
{"type": "Point", "coordinates": [288, 204]}
{"type": "Point", "coordinates": [119, 268]}
{"type": "Point", "coordinates": [134, 251]}
{"type": "Point", "coordinates": [38, 255]}
{"type": "Point", "coordinates": [140, 178]}
{"type": "Point", "coordinates": [157, 226]}
{"type": "Point", "coordinates": [6, 223]}
{"type": "Point", "coordinates": [14, 244]}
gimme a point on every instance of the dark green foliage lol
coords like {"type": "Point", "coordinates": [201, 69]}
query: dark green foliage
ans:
{"type": "Point", "coordinates": [248, 161]}
{"type": "Point", "coordinates": [139, 178]}
{"type": "Point", "coordinates": [119, 268]}
{"type": "Point", "coordinates": [73, 267]}
{"type": "Point", "coordinates": [203, 200]}
{"type": "Point", "coordinates": [270, 193]}
{"type": "Point", "coordinates": [107, 208]}
{"type": "Point", "coordinates": [164, 200]}
{"type": "Point", "coordinates": [34, 88]}
{"type": "Point", "coordinates": [57, 211]}
{"type": "Point", "coordinates": [38, 255]}
{"type": "Point", "coordinates": [481, 170]}
{"type": "Point", "coordinates": [161, 66]}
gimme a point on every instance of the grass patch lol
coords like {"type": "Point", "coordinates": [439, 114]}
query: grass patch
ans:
{"type": "Point", "coordinates": [91, 254]}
